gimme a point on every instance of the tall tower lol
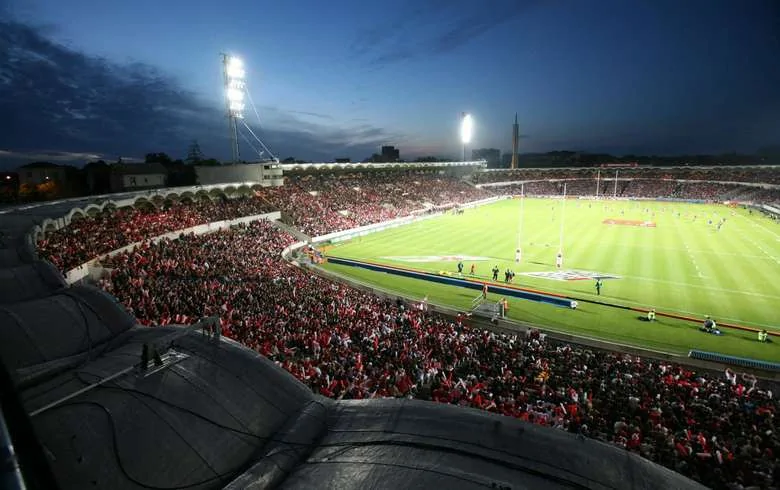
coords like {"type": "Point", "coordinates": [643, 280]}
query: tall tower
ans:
{"type": "Point", "coordinates": [515, 141]}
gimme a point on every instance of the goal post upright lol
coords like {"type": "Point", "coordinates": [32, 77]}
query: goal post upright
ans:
{"type": "Point", "coordinates": [520, 226]}
{"type": "Point", "coordinates": [563, 217]}
{"type": "Point", "coordinates": [614, 195]}
{"type": "Point", "coordinates": [598, 178]}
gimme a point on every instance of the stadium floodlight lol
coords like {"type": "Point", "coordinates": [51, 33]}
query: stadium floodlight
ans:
{"type": "Point", "coordinates": [235, 90]}
{"type": "Point", "coordinates": [235, 94]}
{"type": "Point", "coordinates": [235, 68]}
{"type": "Point", "coordinates": [466, 130]}
{"type": "Point", "coordinates": [235, 86]}
{"type": "Point", "coordinates": [237, 110]}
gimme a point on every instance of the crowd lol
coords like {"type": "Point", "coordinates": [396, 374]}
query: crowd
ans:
{"type": "Point", "coordinates": [766, 175]}
{"type": "Point", "coordinates": [319, 204]}
{"type": "Point", "coordinates": [642, 188]}
{"type": "Point", "coordinates": [315, 205]}
{"type": "Point", "coordinates": [345, 343]}
{"type": "Point", "coordinates": [90, 236]}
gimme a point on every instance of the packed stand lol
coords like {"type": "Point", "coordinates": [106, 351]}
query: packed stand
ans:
{"type": "Point", "coordinates": [90, 236]}
{"type": "Point", "coordinates": [551, 183]}
{"type": "Point", "coordinates": [323, 203]}
{"type": "Point", "coordinates": [766, 175]}
{"type": "Point", "coordinates": [344, 343]}
{"type": "Point", "coordinates": [651, 188]}
{"type": "Point", "coordinates": [317, 205]}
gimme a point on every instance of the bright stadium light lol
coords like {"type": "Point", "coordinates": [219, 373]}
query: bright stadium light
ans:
{"type": "Point", "coordinates": [235, 86]}
{"type": "Point", "coordinates": [237, 109]}
{"type": "Point", "coordinates": [235, 91]}
{"type": "Point", "coordinates": [235, 95]}
{"type": "Point", "coordinates": [235, 68]}
{"type": "Point", "coordinates": [466, 130]}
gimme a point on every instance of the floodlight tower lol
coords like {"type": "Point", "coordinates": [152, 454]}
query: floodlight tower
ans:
{"type": "Point", "coordinates": [466, 130]}
{"type": "Point", "coordinates": [235, 84]}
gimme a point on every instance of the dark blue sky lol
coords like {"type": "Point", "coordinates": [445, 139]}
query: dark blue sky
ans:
{"type": "Point", "coordinates": [340, 78]}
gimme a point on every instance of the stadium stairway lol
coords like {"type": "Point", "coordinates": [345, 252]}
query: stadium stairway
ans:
{"type": "Point", "coordinates": [293, 231]}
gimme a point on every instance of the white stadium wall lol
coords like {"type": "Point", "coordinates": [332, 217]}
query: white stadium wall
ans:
{"type": "Point", "coordinates": [266, 174]}
{"type": "Point", "coordinates": [143, 180]}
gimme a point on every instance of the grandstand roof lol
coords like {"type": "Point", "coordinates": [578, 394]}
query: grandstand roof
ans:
{"type": "Point", "coordinates": [29, 281]}
{"type": "Point", "coordinates": [367, 165]}
{"type": "Point", "coordinates": [216, 413]}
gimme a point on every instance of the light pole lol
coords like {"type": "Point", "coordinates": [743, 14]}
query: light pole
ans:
{"type": "Point", "coordinates": [466, 130]}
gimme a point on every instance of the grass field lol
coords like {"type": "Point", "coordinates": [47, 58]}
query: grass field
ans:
{"type": "Point", "coordinates": [682, 265]}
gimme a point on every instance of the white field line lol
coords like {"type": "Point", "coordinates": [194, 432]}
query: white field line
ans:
{"type": "Point", "coordinates": [746, 236]}
{"type": "Point", "coordinates": [693, 259]}
{"type": "Point", "coordinates": [699, 251]}
{"type": "Point", "coordinates": [763, 250]}
{"type": "Point", "coordinates": [759, 225]}
{"type": "Point", "coordinates": [710, 288]}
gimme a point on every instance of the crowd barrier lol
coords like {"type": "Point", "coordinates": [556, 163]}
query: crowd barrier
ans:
{"type": "Point", "coordinates": [735, 361]}
{"type": "Point", "coordinates": [460, 282]}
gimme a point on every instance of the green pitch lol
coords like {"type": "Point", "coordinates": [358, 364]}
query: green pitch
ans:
{"type": "Point", "coordinates": [683, 265]}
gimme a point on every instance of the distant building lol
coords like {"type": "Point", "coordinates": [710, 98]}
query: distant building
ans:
{"type": "Point", "coordinates": [491, 155]}
{"type": "Point", "coordinates": [343, 160]}
{"type": "Point", "coordinates": [9, 186]}
{"type": "Point", "coordinates": [98, 177]}
{"type": "Point", "coordinates": [137, 176]}
{"type": "Point", "coordinates": [66, 178]}
{"type": "Point", "coordinates": [42, 172]}
{"type": "Point", "coordinates": [390, 154]}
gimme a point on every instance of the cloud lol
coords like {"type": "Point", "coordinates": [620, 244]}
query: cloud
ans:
{"type": "Point", "coordinates": [288, 135]}
{"type": "Point", "coordinates": [312, 114]}
{"type": "Point", "coordinates": [435, 28]}
{"type": "Point", "coordinates": [53, 97]}
{"type": "Point", "coordinates": [49, 156]}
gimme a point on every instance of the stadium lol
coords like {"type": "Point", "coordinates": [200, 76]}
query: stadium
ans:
{"type": "Point", "coordinates": [319, 333]}
{"type": "Point", "coordinates": [686, 259]}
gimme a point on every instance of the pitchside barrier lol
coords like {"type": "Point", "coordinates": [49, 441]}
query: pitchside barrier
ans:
{"type": "Point", "coordinates": [736, 361]}
{"type": "Point", "coordinates": [455, 281]}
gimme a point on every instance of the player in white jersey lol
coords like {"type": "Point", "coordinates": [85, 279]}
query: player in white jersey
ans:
{"type": "Point", "coordinates": [559, 260]}
{"type": "Point", "coordinates": [518, 255]}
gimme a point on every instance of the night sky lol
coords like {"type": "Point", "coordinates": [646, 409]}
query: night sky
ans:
{"type": "Point", "coordinates": [83, 79]}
